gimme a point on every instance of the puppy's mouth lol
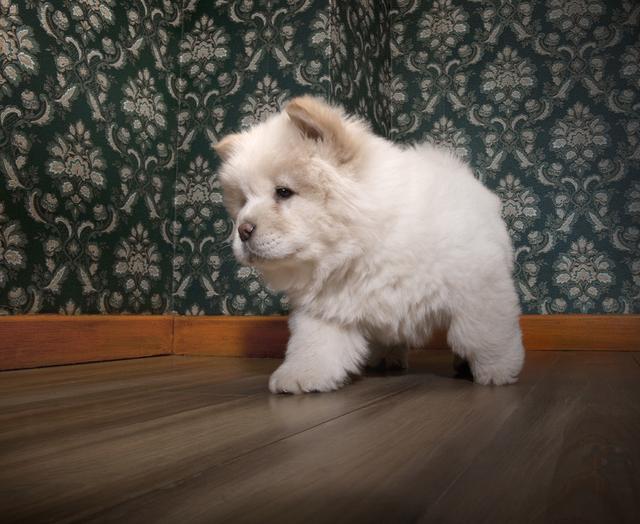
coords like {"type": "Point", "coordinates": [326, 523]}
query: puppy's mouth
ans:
{"type": "Point", "coordinates": [256, 257]}
{"type": "Point", "coordinates": [265, 258]}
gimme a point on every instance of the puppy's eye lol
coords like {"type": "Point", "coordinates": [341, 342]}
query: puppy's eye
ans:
{"type": "Point", "coordinates": [284, 192]}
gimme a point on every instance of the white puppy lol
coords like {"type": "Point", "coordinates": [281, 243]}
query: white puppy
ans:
{"type": "Point", "coordinates": [375, 245]}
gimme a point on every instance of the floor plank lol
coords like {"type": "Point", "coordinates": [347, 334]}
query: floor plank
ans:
{"type": "Point", "coordinates": [31, 385]}
{"type": "Point", "coordinates": [382, 463]}
{"type": "Point", "coordinates": [182, 439]}
{"type": "Point", "coordinates": [570, 453]}
{"type": "Point", "coordinates": [132, 454]}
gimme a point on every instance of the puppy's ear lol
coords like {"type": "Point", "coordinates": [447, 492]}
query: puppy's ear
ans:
{"type": "Point", "coordinates": [225, 147]}
{"type": "Point", "coordinates": [319, 121]}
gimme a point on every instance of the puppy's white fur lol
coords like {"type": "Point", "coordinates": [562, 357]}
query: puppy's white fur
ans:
{"type": "Point", "coordinates": [378, 245]}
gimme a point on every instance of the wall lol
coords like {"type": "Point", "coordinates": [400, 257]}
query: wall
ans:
{"type": "Point", "coordinates": [108, 197]}
{"type": "Point", "coordinates": [260, 54]}
{"type": "Point", "coordinates": [542, 97]}
{"type": "Point", "coordinates": [88, 156]}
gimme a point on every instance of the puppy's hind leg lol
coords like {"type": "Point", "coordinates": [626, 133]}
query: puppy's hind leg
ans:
{"type": "Point", "coordinates": [320, 356]}
{"type": "Point", "coordinates": [489, 339]}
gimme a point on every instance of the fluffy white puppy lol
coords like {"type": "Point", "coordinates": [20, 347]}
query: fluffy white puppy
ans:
{"type": "Point", "coordinates": [375, 245]}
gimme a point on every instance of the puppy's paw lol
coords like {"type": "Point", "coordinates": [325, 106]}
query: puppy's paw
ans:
{"type": "Point", "coordinates": [304, 378]}
{"type": "Point", "coordinates": [496, 374]}
{"type": "Point", "coordinates": [494, 378]}
{"type": "Point", "coordinates": [501, 369]}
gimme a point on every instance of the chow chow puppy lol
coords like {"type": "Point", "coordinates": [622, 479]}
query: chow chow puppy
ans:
{"type": "Point", "coordinates": [374, 243]}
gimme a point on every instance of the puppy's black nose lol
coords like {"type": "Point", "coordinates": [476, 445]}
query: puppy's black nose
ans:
{"type": "Point", "coordinates": [245, 230]}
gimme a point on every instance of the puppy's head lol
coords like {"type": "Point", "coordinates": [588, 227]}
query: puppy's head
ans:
{"type": "Point", "coordinates": [290, 185]}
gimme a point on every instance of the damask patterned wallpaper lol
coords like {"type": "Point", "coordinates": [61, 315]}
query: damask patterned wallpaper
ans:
{"type": "Point", "coordinates": [543, 98]}
{"type": "Point", "coordinates": [109, 201]}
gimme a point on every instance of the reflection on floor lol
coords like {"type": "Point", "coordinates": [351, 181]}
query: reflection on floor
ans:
{"type": "Point", "coordinates": [184, 439]}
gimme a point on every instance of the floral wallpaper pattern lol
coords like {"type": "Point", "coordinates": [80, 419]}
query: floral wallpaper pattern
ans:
{"type": "Point", "coordinates": [109, 201]}
{"type": "Point", "coordinates": [543, 98]}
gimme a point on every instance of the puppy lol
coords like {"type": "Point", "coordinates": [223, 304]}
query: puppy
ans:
{"type": "Point", "coordinates": [375, 245]}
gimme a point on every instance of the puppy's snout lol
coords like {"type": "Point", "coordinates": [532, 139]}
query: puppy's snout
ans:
{"type": "Point", "coordinates": [245, 230]}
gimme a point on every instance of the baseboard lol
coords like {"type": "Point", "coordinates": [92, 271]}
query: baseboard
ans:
{"type": "Point", "coordinates": [267, 336]}
{"type": "Point", "coordinates": [241, 336]}
{"type": "Point", "coordinates": [230, 336]}
{"type": "Point", "coordinates": [581, 332]}
{"type": "Point", "coordinates": [44, 340]}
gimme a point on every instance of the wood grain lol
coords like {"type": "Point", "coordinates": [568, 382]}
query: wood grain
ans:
{"type": "Point", "coordinates": [32, 341]}
{"type": "Point", "coordinates": [570, 453]}
{"type": "Point", "coordinates": [136, 438]}
{"type": "Point", "coordinates": [231, 336]}
{"type": "Point", "coordinates": [45, 340]}
{"type": "Point", "coordinates": [385, 462]}
{"type": "Point", "coordinates": [201, 440]}
{"type": "Point", "coordinates": [267, 336]}
{"type": "Point", "coordinates": [242, 336]}
{"type": "Point", "coordinates": [581, 332]}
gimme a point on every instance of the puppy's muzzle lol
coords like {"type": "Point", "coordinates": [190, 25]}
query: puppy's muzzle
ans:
{"type": "Point", "coordinates": [245, 230]}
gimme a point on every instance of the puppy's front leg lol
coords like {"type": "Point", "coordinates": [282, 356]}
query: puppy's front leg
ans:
{"type": "Point", "coordinates": [320, 356]}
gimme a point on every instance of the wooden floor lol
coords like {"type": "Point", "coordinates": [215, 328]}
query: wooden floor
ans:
{"type": "Point", "coordinates": [185, 439]}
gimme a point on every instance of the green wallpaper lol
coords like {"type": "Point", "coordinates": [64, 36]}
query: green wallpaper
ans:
{"type": "Point", "coordinates": [87, 155]}
{"type": "Point", "coordinates": [543, 99]}
{"type": "Point", "coordinates": [109, 201]}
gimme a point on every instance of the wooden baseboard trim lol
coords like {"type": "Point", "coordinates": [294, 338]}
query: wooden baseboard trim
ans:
{"type": "Point", "coordinates": [242, 336]}
{"type": "Point", "coordinates": [230, 336]}
{"type": "Point", "coordinates": [45, 340]}
{"type": "Point", "coordinates": [267, 336]}
{"type": "Point", "coordinates": [577, 332]}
